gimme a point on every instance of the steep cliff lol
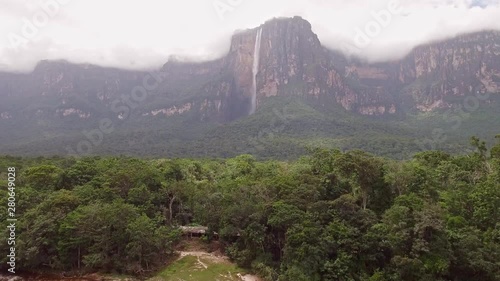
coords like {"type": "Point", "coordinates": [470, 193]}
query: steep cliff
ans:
{"type": "Point", "coordinates": [290, 62]}
{"type": "Point", "coordinates": [61, 89]}
{"type": "Point", "coordinates": [435, 75]}
{"type": "Point", "coordinates": [297, 92]}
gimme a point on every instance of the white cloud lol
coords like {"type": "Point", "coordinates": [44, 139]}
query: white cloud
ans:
{"type": "Point", "coordinates": [140, 34]}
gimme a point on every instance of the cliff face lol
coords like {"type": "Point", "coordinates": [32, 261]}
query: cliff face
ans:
{"type": "Point", "coordinates": [64, 90]}
{"type": "Point", "coordinates": [436, 75]}
{"type": "Point", "coordinates": [63, 79]}
{"type": "Point", "coordinates": [291, 57]}
{"type": "Point", "coordinates": [292, 62]}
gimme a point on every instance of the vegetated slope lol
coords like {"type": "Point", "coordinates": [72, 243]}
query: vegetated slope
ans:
{"type": "Point", "coordinates": [283, 128]}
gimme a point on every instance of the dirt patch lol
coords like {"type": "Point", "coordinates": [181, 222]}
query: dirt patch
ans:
{"type": "Point", "coordinates": [208, 253]}
{"type": "Point", "coordinates": [249, 277]}
{"type": "Point", "coordinates": [205, 255]}
{"type": "Point", "coordinates": [213, 258]}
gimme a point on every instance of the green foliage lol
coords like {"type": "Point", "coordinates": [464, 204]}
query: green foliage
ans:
{"type": "Point", "coordinates": [190, 268]}
{"type": "Point", "coordinates": [283, 128]}
{"type": "Point", "coordinates": [330, 215]}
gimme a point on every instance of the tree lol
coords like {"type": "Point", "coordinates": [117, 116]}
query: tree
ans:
{"type": "Point", "coordinates": [363, 171]}
{"type": "Point", "coordinates": [495, 150]}
{"type": "Point", "coordinates": [149, 243]}
{"type": "Point", "coordinates": [44, 177]}
{"type": "Point", "coordinates": [39, 230]}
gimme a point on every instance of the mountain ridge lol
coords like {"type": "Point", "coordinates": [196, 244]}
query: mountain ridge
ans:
{"type": "Point", "coordinates": [64, 98]}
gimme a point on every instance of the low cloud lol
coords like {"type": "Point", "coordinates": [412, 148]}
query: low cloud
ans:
{"type": "Point", "coordinates": [142, 34]}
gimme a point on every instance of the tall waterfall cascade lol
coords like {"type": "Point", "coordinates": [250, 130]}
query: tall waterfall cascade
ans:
{"type": "Point", "coordinates": [255, 70]}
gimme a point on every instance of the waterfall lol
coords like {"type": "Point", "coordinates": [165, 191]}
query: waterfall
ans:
{"type": "Point", "coordinates": [255, 69]}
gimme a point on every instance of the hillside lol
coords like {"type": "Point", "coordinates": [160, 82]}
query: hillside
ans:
{"type": "Point", "coordinates": [438, 95]}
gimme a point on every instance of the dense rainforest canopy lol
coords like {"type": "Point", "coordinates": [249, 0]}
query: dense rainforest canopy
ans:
{"type": "Point", "coordinates": [330, 215]}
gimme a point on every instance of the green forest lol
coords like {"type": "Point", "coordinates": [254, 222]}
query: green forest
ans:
{"type": "Point", "coordinates": [328, 215]}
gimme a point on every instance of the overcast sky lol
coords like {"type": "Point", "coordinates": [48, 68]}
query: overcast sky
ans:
{"type": "Point", "coordinates": [142, 34]}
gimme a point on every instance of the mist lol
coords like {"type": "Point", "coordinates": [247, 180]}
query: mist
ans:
{"type": "Point", "coordinates": [143, 34]}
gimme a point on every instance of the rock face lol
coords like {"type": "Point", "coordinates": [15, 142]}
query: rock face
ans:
{"type": "Point", "coordinates": [63, 79]}
{"type": "Point", "coordinates": [439, 73]}
{"type": "Point", "coordinates": [436, 75]}
{"type": "Point", "coordinates": [292, 63]}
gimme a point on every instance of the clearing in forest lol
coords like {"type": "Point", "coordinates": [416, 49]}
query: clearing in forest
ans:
{"type": "Point", "coordinates": [195, 264]}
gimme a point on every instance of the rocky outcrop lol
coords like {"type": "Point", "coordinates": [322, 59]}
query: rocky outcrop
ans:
{"type": "Point", "coordinates": [436, 75]}
{"type": "Point", "coordinates": [292, 63]}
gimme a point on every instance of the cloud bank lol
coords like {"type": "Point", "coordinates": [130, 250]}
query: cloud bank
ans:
{"type": "Point", "coordinates": [142, 34]}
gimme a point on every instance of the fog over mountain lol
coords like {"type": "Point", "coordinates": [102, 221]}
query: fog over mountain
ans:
{"type": "Point", "coordinates": [143, 34]}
